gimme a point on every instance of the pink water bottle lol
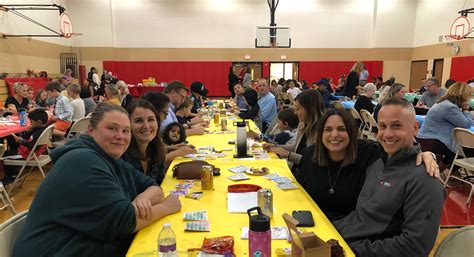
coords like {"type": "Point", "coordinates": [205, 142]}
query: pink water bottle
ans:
{"type": "Point", "coordinates": [260, 234]}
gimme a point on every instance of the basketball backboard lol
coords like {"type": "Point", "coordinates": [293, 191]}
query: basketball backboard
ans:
{"type": "Point", "coordinates": [273, 37]}
{"type": "Point", "coordinates": [460, 29]}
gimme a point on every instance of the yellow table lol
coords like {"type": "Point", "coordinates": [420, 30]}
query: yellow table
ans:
{"type": "Point", "coordinates": [215, 202]}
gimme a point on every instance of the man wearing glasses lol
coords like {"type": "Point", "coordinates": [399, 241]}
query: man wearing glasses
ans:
{"type": "Point", "coordinates": [177, 92]}
{"type": "Point", "coordinates": [433, 92]}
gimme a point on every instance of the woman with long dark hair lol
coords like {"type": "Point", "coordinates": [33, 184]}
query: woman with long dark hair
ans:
{"type": "Point", "coordinates": [146, 151]}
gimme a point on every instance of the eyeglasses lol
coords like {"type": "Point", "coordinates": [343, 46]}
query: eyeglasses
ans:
{"type": "Point", "coordinates": [182, 96]}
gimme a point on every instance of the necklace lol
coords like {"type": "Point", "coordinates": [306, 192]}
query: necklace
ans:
{"type": "Point", "coordinates": [331, 185]}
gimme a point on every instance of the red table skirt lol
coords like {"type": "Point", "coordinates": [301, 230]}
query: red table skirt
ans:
{"type": "Point", "coordinates": [35, 83]}
{"type": "Point", "coordinates": [139, 91]}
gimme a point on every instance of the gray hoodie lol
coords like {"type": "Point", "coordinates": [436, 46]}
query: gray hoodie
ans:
{"type": "Point", "coordinates": [398, 210]}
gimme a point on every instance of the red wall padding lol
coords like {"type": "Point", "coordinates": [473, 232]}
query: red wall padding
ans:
{"type": "Point", "coordinates": [212, 74]}
{"type": "Point", "coordinates": [314, 71]}
{"type": "Point", "coordinates": [462, 68]}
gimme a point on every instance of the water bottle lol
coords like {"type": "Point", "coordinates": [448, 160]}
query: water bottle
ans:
{"type": "Point", "coordinates": [23, 118]}
{"type": "Point", "coordinates": [260, 235]}
{"type": "Point", "coordinates": [167, 242]}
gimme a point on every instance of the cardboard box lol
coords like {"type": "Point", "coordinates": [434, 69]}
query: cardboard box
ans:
{"type": "Point", "coordinates": [305, 244]}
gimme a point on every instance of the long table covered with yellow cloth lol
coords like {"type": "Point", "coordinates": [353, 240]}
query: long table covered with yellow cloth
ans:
{"type": "Point", "coordinates": [214, 202]}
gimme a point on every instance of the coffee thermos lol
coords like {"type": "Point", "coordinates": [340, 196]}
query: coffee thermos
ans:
{"type": "Point", "coordinates": [241, 142]}
{"type": "Point", "coordinates": [260, 234]}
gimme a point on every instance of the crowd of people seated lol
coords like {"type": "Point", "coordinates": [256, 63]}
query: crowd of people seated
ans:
{"type": "Point", "coordinates": [382, 196]}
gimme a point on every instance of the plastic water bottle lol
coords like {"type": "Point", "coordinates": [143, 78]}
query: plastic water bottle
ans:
{"type": "Point", "coordinates": [23, 118]}
{"type": "Point", "coordinates": [167, 242]}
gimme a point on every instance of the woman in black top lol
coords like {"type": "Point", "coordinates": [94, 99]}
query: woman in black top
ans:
{"type": "Point", "coordinates": [233, 79]}
{"type": "Point", "coordinates": [364, 101]}
{"type": "Point", "coordinates": [146, 151]}
{"type": "Point", "coordinates": [352, 81]}
{"type": "Point", "coordinates": [333, 169]}
{"type": "Point", "coordinates": [18, 101]}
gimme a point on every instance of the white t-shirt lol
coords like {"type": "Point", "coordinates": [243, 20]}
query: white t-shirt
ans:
{"type": "Point", "coordinates": [293, 92]}
{"type": "Point", "coordinates": [79, 110]}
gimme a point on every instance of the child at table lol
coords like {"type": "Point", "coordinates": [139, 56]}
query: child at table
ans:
{"type": "Point", "coordinates": [174, 134]}
{"type": "Point", "coordinates": [285, 129]}
{"type": "Point", "coordinates": [38, 121]}
{"type": "Point", "coordinates": [183, 112]}
{"type": "Point", "coordinates": [62, 110]}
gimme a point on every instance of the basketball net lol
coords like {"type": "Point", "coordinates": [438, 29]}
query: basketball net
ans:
{"type": "Point", "coordinates": [274, 45]}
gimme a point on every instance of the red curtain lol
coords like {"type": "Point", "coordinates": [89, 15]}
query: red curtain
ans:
{"type": "Point", "coordinates": [314, 71]}
{"type": "Point", "coordinates": [212, 74]}
{"type": "Point", "coordinates": [462, 68]}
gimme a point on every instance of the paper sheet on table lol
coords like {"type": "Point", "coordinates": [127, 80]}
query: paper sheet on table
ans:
{"type": "Point", "coordinates": [241, 202]}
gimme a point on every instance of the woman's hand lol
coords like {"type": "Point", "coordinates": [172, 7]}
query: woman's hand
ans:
{"type": "Point", "coordinates": [142, 208]}
{"type": "Point", "coordinates": [172, 204]}
{"type": "Point", "coordinates": [268, 146]}
{"type": "Point", "coordinates": [430, 162]}
{"type": "Point", "coordinates": [185, 150]}
{"type": "Point", "coordinates": [280, 151]}
{"type": "Point", "coordinates": [252, 134]}
{"type": "Point", "coordinates": [465, 106]}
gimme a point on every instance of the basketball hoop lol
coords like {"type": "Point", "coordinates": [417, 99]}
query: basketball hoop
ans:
{"type": "Point", "coordinates": [460, 29]}
{"type": "Point", "coordinates": [65, 25]}
{"type": "Point", "coordinates": [274, 45]}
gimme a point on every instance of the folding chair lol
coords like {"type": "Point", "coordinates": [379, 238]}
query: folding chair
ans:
{"type": "Point", "coordinates": [370, 125]}
{"type": "Point", "coordinates": [9, 232]}
{"type": "Point", "coordinates": [357, 118]}
{"type": "Point", "coordinates": [32, 160]}
{"type": "Point", "coordinates": [338, 105]}
{"type": "Point", "coordinates": [464, 138]}
{"type": "Point", "coordinates": [7, 203]}
{"type": "Point", "coordinates": [77, 127]}
{"type": "Point", "coordinates": [458, 243]}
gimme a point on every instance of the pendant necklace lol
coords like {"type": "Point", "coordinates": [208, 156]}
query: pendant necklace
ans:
{"type": "Point", "coordinates": [331, 185]}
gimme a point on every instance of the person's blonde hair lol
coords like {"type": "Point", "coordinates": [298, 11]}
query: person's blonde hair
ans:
{"type": "Point", "coordinates": [18, 86]}
{"type": "Point", "coordinates": [383, 93]}
{"type": "Point", "coordinates": [458, 94]}
{"type": "Point", "coordinates": [357, 67]}
{"type": "Point", "coordinates": [112, 88]}
{"type": "Point", "coordinates": [123, 85]}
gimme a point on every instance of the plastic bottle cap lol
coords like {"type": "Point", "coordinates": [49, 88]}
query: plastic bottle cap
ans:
{"type": "Point", "coordinates": [166, 225]}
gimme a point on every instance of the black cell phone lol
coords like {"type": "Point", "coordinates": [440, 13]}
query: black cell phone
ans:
{"type": "Point", "coordinates": [304, 218]}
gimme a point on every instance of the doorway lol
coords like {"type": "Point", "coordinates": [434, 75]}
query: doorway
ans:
{"type": "Point", "coordinates": [418, 72]}
{"type": "Point", "coordinates": [286, 70]}
{"type": "Point", "coordinates": [255, 69]}
{"type": "Point", "coordinates": [438, 69]}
